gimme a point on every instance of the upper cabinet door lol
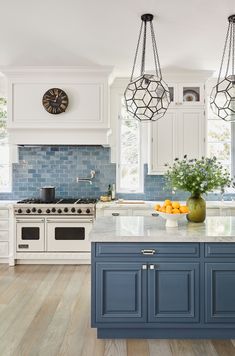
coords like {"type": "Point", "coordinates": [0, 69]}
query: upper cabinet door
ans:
{"type": "Point", "coordinates": [191, 132]}
{"type": "Point", "coordinates": [190, 94]}
{"type": "Point", "coordinates": [173, 88]}
{"type": "Point", "coordinates": [163, 142]}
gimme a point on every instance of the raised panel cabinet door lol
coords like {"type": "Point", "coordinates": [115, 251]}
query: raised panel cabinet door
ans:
{"type": "Point", "coordinates": [173, 290]}
{"type": "Point", "coordinates": [121, 292]}
{"type": "Point", "coordinates": [220, 292]}
{"type": "Point", "coordinates": [163, 142]}
{"type": "Point", "coordinates": [191, 133]}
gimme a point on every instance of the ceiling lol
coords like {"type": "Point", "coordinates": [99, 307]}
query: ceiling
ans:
{"type": "Point", "coordinates": [190, 34]}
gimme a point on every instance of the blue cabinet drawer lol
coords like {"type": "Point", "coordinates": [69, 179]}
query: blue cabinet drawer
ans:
{"type": "Point", "coordinates": [220, 250]}
{"type": "Point", "coordinates": [147, 249]}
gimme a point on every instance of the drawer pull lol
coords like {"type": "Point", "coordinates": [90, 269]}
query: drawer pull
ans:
{"type": "Point", "coordinates": [23, 246]}
{"type": "Point", "coordinates": [148, 252]}
{"type": "Point", "coordinates": [152, 267]}
{"type": "Point", "coordinates": [115, 214]}
{"type": "Point", "coordinates": [144, 267]}
{"type": "Point", "coordinates": [155, 214]}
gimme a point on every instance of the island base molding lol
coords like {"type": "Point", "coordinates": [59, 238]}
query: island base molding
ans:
{"type": "Point", "coordinates": [168, 333]}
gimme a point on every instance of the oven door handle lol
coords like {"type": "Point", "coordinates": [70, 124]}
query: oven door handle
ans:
{"type": "Point", "coordinates": [69, 221]}
{"type": "Point", "coordinates": [29, 220]}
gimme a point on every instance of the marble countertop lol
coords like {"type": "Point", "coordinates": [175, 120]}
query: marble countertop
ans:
{"type": "Point", "coordinates": [150, 204]}
{"type": "Point", "coordinates": [152, 229]}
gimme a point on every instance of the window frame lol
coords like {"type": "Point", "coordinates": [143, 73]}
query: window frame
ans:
{"type": "Point", "coordinates": [140, 189]}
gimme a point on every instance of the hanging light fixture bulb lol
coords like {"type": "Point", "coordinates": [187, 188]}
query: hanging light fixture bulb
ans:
{"type": "Point", "coordinates": [147, 97]}
{"type": "Point", "coordinates": [222, 98]}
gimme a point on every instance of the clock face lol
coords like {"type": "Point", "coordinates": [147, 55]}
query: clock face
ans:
{"type": "Point", "coordinates": [55, 101]}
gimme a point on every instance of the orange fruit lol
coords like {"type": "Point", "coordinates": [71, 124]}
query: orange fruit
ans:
{"type": "Point", "coordinates": [184, 209]}
{"type": "Point", "coordinates": [157, 207]}
{"type": "Point", "coordinates": [169, 209]}
{"type": "Point", "coordinates": [175, 211]}
{"type": "Point", "coordinates": [175, 205]}
{"type": "Point", "coordinates": [167, 202]}
{"type": "Point", "coordinates": [163, 209]}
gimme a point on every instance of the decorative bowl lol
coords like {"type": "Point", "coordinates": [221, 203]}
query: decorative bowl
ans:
{"type": "Point", "coordinates": [172, 219]}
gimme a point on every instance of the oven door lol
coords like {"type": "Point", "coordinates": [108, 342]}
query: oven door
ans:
{"type": "Point", "coordinates": [68, 235]}
{"type": "Point", "coordinates": [30, 235]}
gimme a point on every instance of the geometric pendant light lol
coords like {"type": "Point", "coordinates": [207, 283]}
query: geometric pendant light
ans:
{"type": "Point", "coordinates": [147, 97]}
{"type": "Point", "coordinates": [222, 100]}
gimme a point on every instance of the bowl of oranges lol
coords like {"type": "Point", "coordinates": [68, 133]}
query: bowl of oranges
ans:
{"type": "Point", "coordinates": [172, 212]}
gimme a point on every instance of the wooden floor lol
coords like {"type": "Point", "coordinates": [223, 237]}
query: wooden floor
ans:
{"type": "Point", "coordinates": [45, 310]}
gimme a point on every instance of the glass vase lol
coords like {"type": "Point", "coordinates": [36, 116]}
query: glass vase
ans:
{"type": "Point", "coordinates": [197, 208]}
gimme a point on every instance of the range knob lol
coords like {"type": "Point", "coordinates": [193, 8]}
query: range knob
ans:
{"type": "Point", "coordinates": [73, 210]}
{"type": "Point", "coordinates": [39, 211]}
{"type": "Point", "coordinates": [59, 211]}
{"type": "Point", "coordinates": [79, 211]}
{"type": "Point", "coordinates": [88, 211]}
{"type": "Point", "coordinates": [53, 210]}
{"type": "Point", "coordinates": [28, 211]}
{"type": "Point", "coordinates": [19, 211]}
{"type": "Point", "coordinates": [66, 210]}
{"type": "Point", "coordinates": [48, 211]}
{"type": "Point", "coordinates": [34, 210]}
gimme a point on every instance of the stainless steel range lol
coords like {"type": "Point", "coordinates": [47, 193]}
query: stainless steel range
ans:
{"type": "Point", "coordinates": [61, 226]}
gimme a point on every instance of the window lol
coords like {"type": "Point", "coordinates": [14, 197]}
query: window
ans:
{"type": "Point", "coordinates": [5, 167]}
{"type": "Point", "coordinates": [130, 168]}
{"type": "Point", "coordinates": [220, 140]}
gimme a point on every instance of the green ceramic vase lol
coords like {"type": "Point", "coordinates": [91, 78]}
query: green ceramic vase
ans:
{"type": "Point", "coordinates": [197, 208]}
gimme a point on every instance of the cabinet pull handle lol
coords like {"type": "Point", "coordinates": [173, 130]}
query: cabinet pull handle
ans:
{"type": "Point", "coordinates": [155, 214]}
{"type": "Point", "coordinates": [144, 267]}
{"type": "Point", "coordinates": [148, 252]}
{"type": "Point", "coordinates": [115, 214]}
{"type": "Point", "coordinates": [152, 267]}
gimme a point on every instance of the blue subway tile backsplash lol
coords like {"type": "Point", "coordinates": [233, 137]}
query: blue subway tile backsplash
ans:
{"type": "Point", "coordinates": [60, 165]}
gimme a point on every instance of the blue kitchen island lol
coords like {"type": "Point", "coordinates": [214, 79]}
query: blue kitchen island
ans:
{"type": "Point", "coordinates": [149, 281]}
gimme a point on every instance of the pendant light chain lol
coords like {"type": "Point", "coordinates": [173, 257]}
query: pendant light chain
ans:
{"type": "Point", "coordinates": [143, 49]}
{"type": "Point", "coordinates": [233, 27]}
{"type": "Point", "coordinates": [222, 98]}
{"type": "Point", "coordinates": [136, 51]}
{"type": "Point", "coordinates": [224, 51]}
{"type": "Point", "coordinates": [155, 53]}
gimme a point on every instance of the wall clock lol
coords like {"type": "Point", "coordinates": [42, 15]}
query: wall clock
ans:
{"type": "Point", "coordinates": [55, 101]}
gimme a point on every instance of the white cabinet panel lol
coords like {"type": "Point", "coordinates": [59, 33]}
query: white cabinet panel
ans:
{"type": "Point", "coordinates": [29, 111]}
{"type": "Point", "coordinates": [213, 212]}
{"type": "Point", "coordinates": [179, 132]}
{"type": "Point", "coordinates": [4, 225]}
{"type": "Point", "coordinates": [3, 249]}
{"type": "Point", "coordinates": [142, 212]}
{"type": "Point", "coordinates": [4, 213]}
{"type": "Point", "coordinates": [4, 235]}
{"type": "Point", "coordinates": [191, 136]}
{"type": "Point", "coordinates": [163, 142]}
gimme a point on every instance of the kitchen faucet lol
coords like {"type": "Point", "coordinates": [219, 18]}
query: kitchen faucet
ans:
{"type": "Point", "coordinates": [92, 173]}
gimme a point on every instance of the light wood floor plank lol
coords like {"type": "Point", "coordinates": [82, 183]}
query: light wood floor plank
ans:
{"type": "Point", "coordinates": [115, 348]}
{"type": "Point", "coordinates": [33, 300]}
{"type": "Point", "coordinates": [137, 348]}
{"type": "Point", "coordinates": [37, 329]}
{"type": "Point", "coordinates": [74, 338]}
{"type": "Point", "coordinates": [224, 347]}
{"type": "Point", "coordinates": [159, 348]}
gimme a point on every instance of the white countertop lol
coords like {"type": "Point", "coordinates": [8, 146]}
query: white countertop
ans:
{"type": "Point", "coordinates": [7, 203]}
{"type": "Point", "coordinates": [152, 229]}
{"type": "Point", "coordinates": [150, 204]}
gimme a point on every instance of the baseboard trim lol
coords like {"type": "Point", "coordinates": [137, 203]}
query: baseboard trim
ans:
{"type": "Point", "coordinates": [201, 333]}
{"type": "Point", "coordinates": [52, 262]}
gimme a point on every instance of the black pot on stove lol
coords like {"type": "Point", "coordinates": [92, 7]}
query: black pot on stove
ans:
{"type": "Point", "coordinates": [47, 194]}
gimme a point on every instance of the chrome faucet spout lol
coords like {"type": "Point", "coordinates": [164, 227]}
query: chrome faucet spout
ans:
{"type": "Point", "coordinates": [89, 180]}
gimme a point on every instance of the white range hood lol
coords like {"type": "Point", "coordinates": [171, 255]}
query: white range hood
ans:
{"type": "Point", "coordinates": [86, 120]}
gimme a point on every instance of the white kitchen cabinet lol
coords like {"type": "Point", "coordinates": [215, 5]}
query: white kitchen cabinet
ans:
{"type": "Point", "coordinates": [143, 212]}
{"type": "Point", "coordinates": [187, 94]}
{"type": "Point", "coordinates": [116, 212]}
{"type": "Point", "coordinates": [179, 132]}
{"type": "Point", "coordinates": [4, 233]}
